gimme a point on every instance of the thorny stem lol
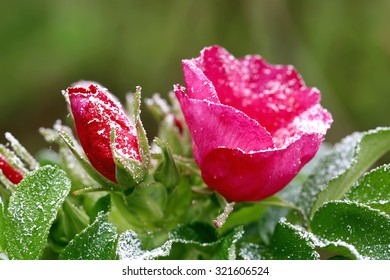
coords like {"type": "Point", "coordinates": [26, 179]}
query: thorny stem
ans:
{"type": "Point", "coordinates": [221, 219]}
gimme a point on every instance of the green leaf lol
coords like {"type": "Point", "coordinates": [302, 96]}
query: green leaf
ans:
{"type": "Point", "coordinates": [200, 239]}
{"type": "Point", "coordinates": [179, 201]}
{"type": "Point", "coordinates": [122, 216]}
{"type": "Point", "coordinates": [226, 246]}
{"type": "Point", "coordinates": [149, 202]}
{"type": "Point", "coordinates": [253, 251]}
{"type": "Point", "coordinates": [2, 225]}
{"type": "Point", "coordinates": [186, 238]}
{"type": "Point", "coordinates": [373, 189]}
{"type": "Point", "coordinates": [130, 248]}
{"type": "Point", "coordinates": [75, 219]}
{"type": "Point", "coordinates": [32, 210]}
{"type": "Point", "coordinates": [293, 243]}
{"type": "Point", "coordinates": [363, 229]}
{"type": "Point", "coordinates": [96, 242]}
{"type": "Point", "coordinates": [102, 204]}
{"type": "Point", "coordinates": [338, 170]}
{"type": "Point", "coordinates": [195, 232]}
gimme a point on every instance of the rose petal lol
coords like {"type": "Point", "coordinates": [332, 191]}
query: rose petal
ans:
{"type": "Point", "coordinates": [95, 113]}
{"type": "Point", "coordinates": [240, 176]}
{"type": "Point", "coordinates": [12, 174]}
{"type": "Point", "coordinates": [315, 120]}
{"type": "Point", "coordinates": [271, 94]}
{"type": "Point", "coordinates": [216, 125]}
{"type": "Point", "coordinates": [201, 87]}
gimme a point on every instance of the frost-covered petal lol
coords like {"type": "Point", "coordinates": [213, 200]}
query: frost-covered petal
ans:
{"type": "Point", "coordinates": [270, 94]}
{"type": "Point", "coordinates": [201, 87]}
{"type": "Point", "coordinates": [315, 120]}
{"type": "Point", "coordinates": [216, 125]}
{"type": "Point", "coordinates": [96, 113]}
{"type": "Point", "coordinates": [240, 176]}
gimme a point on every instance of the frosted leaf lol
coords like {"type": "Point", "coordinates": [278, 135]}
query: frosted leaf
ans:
{"type": "Point", "coordinates": [341, 167]}
{"type": "Point", "coordinates": [96, 242]}
{"type": "Point", "coordinates": [330, 166]}
{"type": "Point", "coordinates": [364, 231]}
{"type": "Point", "coordinates": [32, 209]}
{"type": "Point", "coordinates": [130, 248]}
{"type": "Point", "coordinates": [252, 251]}
{"type": "Point", "coordinates": [293, 242]}
{"type": "Point", "coordinates": [2, 225]}
{"type": "Point", "coordinates": [373, 189]}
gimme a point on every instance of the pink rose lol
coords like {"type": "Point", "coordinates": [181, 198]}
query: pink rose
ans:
{"type": "Point", "coordinates": [253, 125]}
{"type": "Point", "coordinates": [96, 112]}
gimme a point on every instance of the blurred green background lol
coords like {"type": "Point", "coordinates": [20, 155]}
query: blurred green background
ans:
{"type": "Point", "coordinates": [340, 47]}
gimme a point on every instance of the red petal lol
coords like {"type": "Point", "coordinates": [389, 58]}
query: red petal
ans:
{"type": "Point", "coordinates": [240, 176]}
{"type": "Point", "coordinates": [95, 113]}
{"type": "Point", "coordinates": [216, 125]}
{"type": "Point", "coordinates": [12, 174]}
{"type": "Point", "coordinates": [271, 94]}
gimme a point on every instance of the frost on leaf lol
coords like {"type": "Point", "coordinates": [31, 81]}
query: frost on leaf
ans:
{"type": "Point", "coordinates": [362, 230]}
{"type": "Point", "coordinates": [329, 167]}
{"type": "Point", "coordinates": [373, 189]}
{"type": "Point", "coordinates": [252, 251]}
{"type": "Point", "coordinates": [293, 242]}
{"type": "Point", "coordinates": [337, 171]}
{"type": "Point", "coordinates": [130, 248]}
{"type": "Point", "coordinates": [96, 242]}
{"type": "Point", "coordinates": [32, 209]}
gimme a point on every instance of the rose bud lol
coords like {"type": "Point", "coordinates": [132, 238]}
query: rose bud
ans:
{"type": "Point", "coordinates": [254, 125]}
{"type": "Point", "coordinates": [12, 174]}
{"type": "Point", "coordinates": [97, 115]}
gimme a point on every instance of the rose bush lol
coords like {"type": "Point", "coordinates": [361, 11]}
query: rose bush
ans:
{"type": "Point", "coordinates": [96, 113]}
{"type": "Point", "coordinates": [254, 125]}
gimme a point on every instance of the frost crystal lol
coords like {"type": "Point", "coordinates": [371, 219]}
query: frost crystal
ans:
{"type": "Point", "coordinates": [130, 248]}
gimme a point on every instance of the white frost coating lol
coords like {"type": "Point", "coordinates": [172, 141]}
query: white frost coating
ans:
{"type": "Point", "coordinates": [31, 212]}
{"type": "Point", "coordinates": [330, 167]}
{"type": "Point", "coordinates": [3, 256]}
{"type": "Point", "coordinates": [250, 251]}
{"type": "Point", "coordinates": [130, 248]}
{"type": "Point", "coordinates": [314, 241]}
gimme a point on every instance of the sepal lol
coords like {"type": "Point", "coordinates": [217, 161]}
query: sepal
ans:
{"type": "Point", "coordinates": [166, 172]}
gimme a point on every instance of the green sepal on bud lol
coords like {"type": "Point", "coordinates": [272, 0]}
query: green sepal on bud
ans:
{"type": "Point", "coordinates": [143, 143]}
{"type": "Point", "coordinates": [130, 172]}
{"type": "Point", "coordinates": [166, 172]}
